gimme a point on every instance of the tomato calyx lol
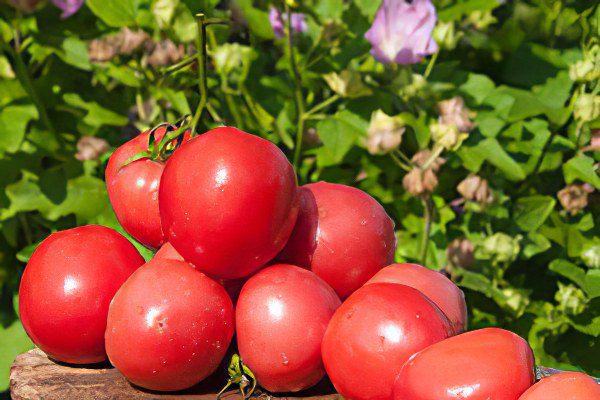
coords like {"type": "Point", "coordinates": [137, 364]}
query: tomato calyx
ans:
{"type": "Point", "coordinates": [241, 376]}
{"type": "Point", "coordinates": [170, 141]}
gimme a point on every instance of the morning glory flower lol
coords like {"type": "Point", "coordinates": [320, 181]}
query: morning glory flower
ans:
{"type": "Point", "coordinates": [402, 32]}
{"type": "Point", "coordinates": [277, 20]}
{"type": "Point", "coordinates": [68, 7]}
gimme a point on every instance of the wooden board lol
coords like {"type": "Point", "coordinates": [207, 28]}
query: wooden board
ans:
{"type": "Point", "coordinates": [33, 376]}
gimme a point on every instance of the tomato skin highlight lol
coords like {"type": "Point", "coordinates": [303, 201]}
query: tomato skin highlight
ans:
{"type": "Point", "coordinates": [373, 333]}
{"type": "Point", "coordinates": [169, 326]}
{"type": "Point", "coordinates": [228, 202]}
{"type": "Point", "coordinates": [66, 289]}
{"type": "Point", "coordinates": [435, 285]}
{"type": "Point", "coordinates": [488, 363]}
{"type": "Point", "coordinates": [564, 386]}
{"type": "Point", "coordinates": [343, 235]}
{"type": "Point", "coordinates": [281, 317]}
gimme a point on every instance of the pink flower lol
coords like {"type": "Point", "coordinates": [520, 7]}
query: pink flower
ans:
{"type": "Point", "coordinates": [402, 32]}
{"type": "Point", "coordinates": [68, 7]}
{"type": "Point", "coordinates": [277, 21]}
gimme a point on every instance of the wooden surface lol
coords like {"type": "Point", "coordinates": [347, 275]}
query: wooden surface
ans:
{"type": "Point", "coordinates": [33, 376]}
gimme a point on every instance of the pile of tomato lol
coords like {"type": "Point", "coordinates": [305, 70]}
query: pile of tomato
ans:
{"type": "Point", "coordinates": [302, 277]}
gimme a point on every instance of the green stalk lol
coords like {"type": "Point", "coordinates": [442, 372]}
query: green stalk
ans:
{"type": "Point", "coordinates": [322, 105]}
{"type": "Point", "coordinates": [428, 215]}
{"type": "Point", "coordinates": [298, 97]}
{"type": "Point", "coordinates": [201, 57]}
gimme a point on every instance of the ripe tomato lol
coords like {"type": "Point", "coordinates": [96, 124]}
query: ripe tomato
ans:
{"type": "Point", "coordinates": [281, 316]}
{"type": "Point", "coordinates": [67, 286]}
{"type": "Point", "coordinates": [133, 189]}
{"type": "Point", "coordinates": [228, 202]}
{"type": "Point", "coordinates": [373, 333]}
{"type": "Point", "coordinates": [169, 326]}
{"type": "Point", "coordinates": [563, 386]}
{"type": "Point", "coordinates": [441, 290]}
{"type": "Point", "coordinates": [232, 286]}
{"type": "Point", "coordinates": [484, 364]}
{"type": "Point", "coordinates": [342, 234]}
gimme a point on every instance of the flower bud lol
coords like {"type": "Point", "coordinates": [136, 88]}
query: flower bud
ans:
{"type": "Point", "coordinates": [570, 298]}
{"type": "Point", "coordinates": [384, 133]}
{"type": "Point", "coordinates": [454, 112]}
{"type": "Point", "coordinates": [421, 181]}
{"type": "Point", "coordinates": [587, 107]}
{"type": "Point", "coordinates": [447, 136]}
{"type": "Point", "coordinates": [91, 148]}
{"type": "Point", "coordinates": [446, 36]}
{"type": "Point", "coordinates": [460, 253]}
{"type": "Point", "coordinates": [474, 188]}
{"type": "Point", "coordinates": [278, 20]}
{"type": "Point", "coordinates": [347, 84]}
{"type": "Point", "coordinates": [500, 248]}
{"type": "Point", "coordinates": [591, 255]}
{"type": "Point", "coordinates": [584, 71]}
{"type": "Point", "coordinates": [574, 198]}
{"type": "Point", "coordinates": [165, 52]}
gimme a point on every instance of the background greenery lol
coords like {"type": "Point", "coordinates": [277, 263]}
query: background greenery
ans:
{"type": "Point", "coordinates": [519, 65]}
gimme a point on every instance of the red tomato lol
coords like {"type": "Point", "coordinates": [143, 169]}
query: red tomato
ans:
{"type": "Point", "coordinates": [564, 386]}
{"type": "Point", "coordinates": [228, 202]}
{"type": "Point", "coordinates": [373, 333]}
{"type": "Point", "coordinates": [133, 189]}
{"type": "Point", "coordinates": [232, 286]}
{"type": "Point", "coordinates": [441, 290]}
{"type": "Point", "coordinates": [484, 364]}
{"type": "Point", "coordinates": [343, 235]}
{"type": "Point", "coordinates": [281, 316]}
{"type": "Point", "coordinates": [169, 326]}
{"type": "Point", "coordinates": [167, 252]}
{"type": "Point", "coordinates": [67, 286]}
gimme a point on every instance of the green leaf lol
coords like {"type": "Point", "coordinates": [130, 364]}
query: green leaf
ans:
{"type": "Point", "coordinates": [13, 122]}
{"type": "Point", "coordinates": [115, 13]}
{"type": "Point", "coordinates": [568, 270]}
{"type": "Point", "coordinates": [478, 87]}
{"type": "Point", "coordinates": [75, 53]}
{"type": "Point", "coordinates": [258, 20]}
{"type": "Point", "coordinates": [490, 150]}
{"type": "Point", "coordinates": [592, 283]}
{"type": "Point", "coordinates": [338, 134]}
{"type": "Point", "coordinates": [330, 9]}
{"type": "Point", "coordinates": [458, 9]}
{"type": "Point", "coordinates": [535, 243]}
{"type": "Point", "coordinates": [529, 213]}
{"type": "Point", "coordinates": [581, 167]}
{"type": "Point", "coordinates": [96, 114]}
{"type": "Point", "coordinates": [13, 341]}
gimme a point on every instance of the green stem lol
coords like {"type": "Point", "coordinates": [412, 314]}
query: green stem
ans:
{"type": "Point", "coordinates": [404, 157]}
{"type": "Point", "coordinates": [180, 65]}
{"type": "Point", "coordinates": [428, 209]}
{"type": "Point", "coordinates": [25, 80]}
{"type": "Point", "coordinates": [322, 105]}
{"type": "Point", "coordinates": [299, 99]}
{"type": "Point", "coordinates": [431, 64]}
{"type": "Point", "coordinates": [235, 112]}
{"type": "Point", "coordinates": [201, 57]}
{"type": "Point", "coordinates": [399, 162]}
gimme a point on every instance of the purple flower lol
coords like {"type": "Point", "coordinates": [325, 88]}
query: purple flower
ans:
{"type": "Point", "coordinates": [401, 31]}
{"type": "Point", "coordinates": [68, 7]}
{"type": "Point", "coordinates": [277, 21]}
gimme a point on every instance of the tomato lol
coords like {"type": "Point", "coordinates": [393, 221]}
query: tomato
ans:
{"type": "Point", "coordinates": [169, 326]}
{"type": "Point", "coordinates": [168, 252]}
{"type": "Point", "coordinates": [228, 202]}
{"type": "Point", "coordinates": [484, 364]}
{"type": "Point", "coordinates": [133, 189]}
{"type": "Point", "coordinates": [232, 286]}
{"type": "Point", "coordinates": [342, 234]}
{"type": "Point", "coordinates": [281, 316]}
{"type": "Point", "coordinates": [373, 333]}
{"type": "Point", "coordinates": [563, 386]}
{"type": "Point", "coordinates": [66, 289]}
{"type": "Point", "coordinates": [441, 290]}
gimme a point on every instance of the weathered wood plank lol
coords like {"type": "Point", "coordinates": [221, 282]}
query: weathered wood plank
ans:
{"type": "Point", "coordinates": [33, 376]}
